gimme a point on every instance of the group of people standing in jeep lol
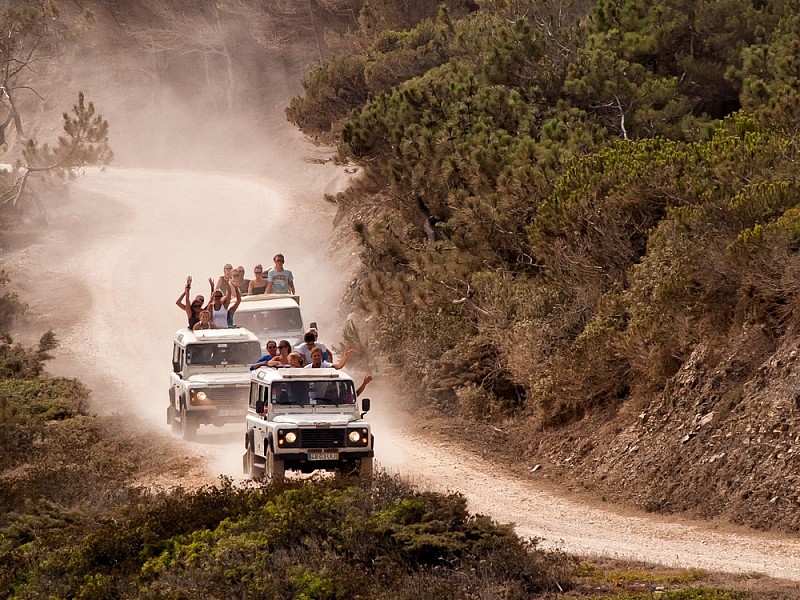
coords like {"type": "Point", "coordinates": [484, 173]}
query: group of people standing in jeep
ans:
{"type": "Point", "coordinates": [227, 292]}
{"type": "Point", "coordinates": [226, 295]}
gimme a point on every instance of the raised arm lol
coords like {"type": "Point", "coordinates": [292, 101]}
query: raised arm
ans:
{"type": "Point", "coordinates": [363, 385]}
{"type": "Point", "coordinates": [179, 302]}
{"type": "Point", "coordinates": [226, 299]}
{"type": "Point", "coordinates": [187, 306]}
{"type": "Point", "coordinates": [236, 302]}
{"type": "Point", "coordinates": [343, 361]}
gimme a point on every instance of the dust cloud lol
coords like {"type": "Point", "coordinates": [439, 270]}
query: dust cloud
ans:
{"type": "Point", "coordinates": [195, 184]}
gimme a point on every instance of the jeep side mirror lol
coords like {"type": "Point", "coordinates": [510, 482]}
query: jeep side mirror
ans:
{"type": "Point", "coordinates": [260, 407]}
{"type": "Point", "coordinates": [176, 366]}
{"type": "Point", "coordinates": [365, 405]}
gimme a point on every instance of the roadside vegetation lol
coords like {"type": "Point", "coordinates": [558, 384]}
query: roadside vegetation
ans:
{"type": "Point", "coordinates": [73, 524]}
{"type": "Point", "coordinates": [572, 215]}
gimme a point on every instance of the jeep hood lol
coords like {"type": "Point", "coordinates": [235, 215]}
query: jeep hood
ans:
{"type": "Point", "coordinates": [312, 419]}
{"type": "Point", "coordinates": [220, 378]}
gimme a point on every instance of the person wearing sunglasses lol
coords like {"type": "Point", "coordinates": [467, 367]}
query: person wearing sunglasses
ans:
{"type": "Point", "coordinates": [272, 352]}
{"type": "Point", "coordinates": [280, 280]}
{"type": "Point", "coordinates": [282, 358]}
{"type": "Point", "coordinates": [193, 308]}
{"type": "Point", "coordinates": [221, 308]}
{"type": "Point", "coordinates": [239, 280]}
{"type": "Point", "coordinates": [258, 285]}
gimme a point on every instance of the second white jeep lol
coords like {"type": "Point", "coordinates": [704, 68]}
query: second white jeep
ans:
{"type": "Point", "coordinates": [210, 379]}
{"type": "Point", "coordinates": [272, 317]}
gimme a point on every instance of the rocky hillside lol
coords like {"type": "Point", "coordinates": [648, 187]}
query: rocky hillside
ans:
{"type": "Point", "coordinates": [720, 442]}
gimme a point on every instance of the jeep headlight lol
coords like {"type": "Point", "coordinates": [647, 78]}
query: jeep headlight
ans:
{"type": "Point", "coordinates": [287, 438]}
{"type": "Point", "coordinates": [198, 396]}
{"type": "Point", "coordinates": [358, 437]}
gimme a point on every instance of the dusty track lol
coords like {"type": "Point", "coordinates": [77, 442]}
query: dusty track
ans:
{"type": "Point", "coordinates": [118, 255]}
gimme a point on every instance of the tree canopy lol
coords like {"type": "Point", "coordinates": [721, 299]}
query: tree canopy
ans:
{"type": "Point", "coordinates": [544, 194]}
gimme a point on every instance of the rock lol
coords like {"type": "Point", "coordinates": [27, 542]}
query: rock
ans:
{"type": "Point", "coordinates": [706, 419]}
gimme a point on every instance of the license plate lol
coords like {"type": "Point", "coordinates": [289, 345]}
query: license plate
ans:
{"type": "Point", "coordinates": [323, 456]}
{"type": "Point", "coordinates": [229, 413]}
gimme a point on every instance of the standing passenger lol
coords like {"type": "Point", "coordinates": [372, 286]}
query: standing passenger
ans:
{"type": "Point", "coordinates": [282, 359]}
{"type": "Point", "coordinates": [218, 307]}
{"type": "Point", "coordinates": [309, 343]}
{"type": "Point", "coordinates": [222, 280]}
{"type": "Point", "coordinates": [280, 280]}
{"type": "Point", "coordinates": [239, 280]}
{"type": "Point", "coordinates": [193, 308]}
{"type": "Point", "coordinates": [272, 351]}
{"type": "Point", "coordinates": [318, 363]}
{"type": "Point", "coordinates": [258, 285]}
{"type": "Point", "coordinates": [295, 360]}
{"type": "Point", "coordinates": [204, 322]}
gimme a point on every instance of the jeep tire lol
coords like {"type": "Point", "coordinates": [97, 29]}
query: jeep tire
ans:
{"type": "Point", "coordinates": [172, 421]}
{"type": "Point", "coordinates": [188, 425]}
{"type": "Point", "coordinates": [275, 469]}
{"type": "Point", "coordinates": [365, 468]}
{"type": "Point", "coordinates": [248, 462]}
{"type": "Point", "coordinates": [250, 467]}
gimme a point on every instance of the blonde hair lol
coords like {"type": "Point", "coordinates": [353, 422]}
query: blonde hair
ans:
{"type": "Point", "coordinates": [297, 356]}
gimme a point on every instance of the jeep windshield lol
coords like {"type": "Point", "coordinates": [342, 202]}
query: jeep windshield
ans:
{"type": "Point", "coordinates": [277, 319]}
{"type": "Point", "coordinates": [222, 353]}
{"type": "Point", "coordinates": [313, 392]}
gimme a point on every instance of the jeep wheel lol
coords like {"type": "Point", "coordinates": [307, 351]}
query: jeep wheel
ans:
{"type": "Point", "coordinates": [365, 468]}
{"type": "Point", "coordinates": [275, 470]}
{"type": "Point", "coordinates": [171, 420]}
{"type": "Point", "coordinates": [188, 426]}
{"type": "Point", "coordinates": [248, 462]}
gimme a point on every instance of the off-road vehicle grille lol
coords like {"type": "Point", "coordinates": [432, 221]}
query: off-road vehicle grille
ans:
{"type": "Point", "coordinates": [322, 438]}
{"type": "Point", "coordinates": [229, 396]}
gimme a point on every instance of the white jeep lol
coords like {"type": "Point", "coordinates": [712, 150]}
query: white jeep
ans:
{"type": "Point", "coordinates": [272, 317]}
{"type": "Point", "coordinates": [305, 420]}
{"type": "Point", "coordinates": [210, 378]}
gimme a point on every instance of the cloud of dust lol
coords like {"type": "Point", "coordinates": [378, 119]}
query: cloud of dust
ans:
{"type": "Point", "coordinates": [171, 112]}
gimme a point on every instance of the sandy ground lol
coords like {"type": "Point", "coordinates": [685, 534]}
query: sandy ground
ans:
{"type": "Point", "coordinates": [118, 253]}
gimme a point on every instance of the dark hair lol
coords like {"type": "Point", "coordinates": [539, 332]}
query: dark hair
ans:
{"type": "Point", "coordinates": [309, 337]}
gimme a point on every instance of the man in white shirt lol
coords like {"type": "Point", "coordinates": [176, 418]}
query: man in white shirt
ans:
{"type": "Point", "coordinates": [318, 363]}
{"type": "Point", "coordinates": [309, 343]}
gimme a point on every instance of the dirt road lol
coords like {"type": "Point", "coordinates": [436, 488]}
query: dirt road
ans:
{"type": "Point", "coordinates": [119, 254]}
